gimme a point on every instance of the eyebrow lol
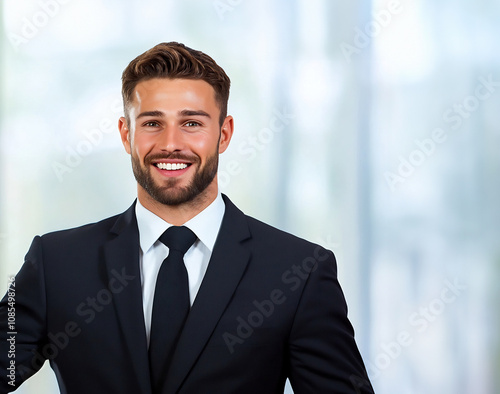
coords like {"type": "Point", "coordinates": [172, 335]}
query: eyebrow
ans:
{"type": "Point", "coordinates": [154, 114]}
{"type": "Point", "coordinates": [188, 112]}
{"type": "Point", "coordinates": [185, 112]}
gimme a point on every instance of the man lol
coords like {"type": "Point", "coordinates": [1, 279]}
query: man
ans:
{"type": "Point", "coordinates": [240, 309]}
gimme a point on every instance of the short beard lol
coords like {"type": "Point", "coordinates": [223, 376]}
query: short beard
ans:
{"type": "Point", "coordinates": [168, 193]}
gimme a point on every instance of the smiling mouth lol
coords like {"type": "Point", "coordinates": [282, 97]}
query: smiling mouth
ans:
{"type": "Point", "coordinates": [172, 166]}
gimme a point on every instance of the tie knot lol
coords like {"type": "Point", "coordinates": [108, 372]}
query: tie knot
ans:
{"type": "Point", "coordinates": [178, 238]}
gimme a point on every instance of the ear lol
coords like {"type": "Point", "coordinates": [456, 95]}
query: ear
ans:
{"type": "Point", "coordinates": [226, 133]}
{"type": "Point", "coordinates": [124, 133]}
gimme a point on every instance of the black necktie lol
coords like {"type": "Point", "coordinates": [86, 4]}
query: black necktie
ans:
{"type": "Point", "coordinates": [171, 303]}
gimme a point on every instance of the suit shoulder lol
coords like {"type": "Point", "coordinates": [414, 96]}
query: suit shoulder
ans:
{"type": "Point", "coordinates": [86, 231]}
{"type": "Point", "coordinates": [270, 234]}
{"type": "Point", "coordinates": [269, 238]}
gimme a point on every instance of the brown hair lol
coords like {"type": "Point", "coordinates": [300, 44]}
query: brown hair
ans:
{"type": "Point", "coordinates": [175, 60]}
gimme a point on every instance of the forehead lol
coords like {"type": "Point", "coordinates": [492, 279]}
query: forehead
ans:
{"type": "Point", "coordinates": [178, 91]}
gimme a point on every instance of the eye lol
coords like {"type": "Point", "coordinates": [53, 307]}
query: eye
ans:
{"type": "Point", "coordinates": [192, 123]}
{"type": "Point", "coordinates": [151, 123]}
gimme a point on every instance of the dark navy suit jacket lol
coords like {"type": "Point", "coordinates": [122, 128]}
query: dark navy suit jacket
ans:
{"type": "Point", "coordinates": [269, 308]}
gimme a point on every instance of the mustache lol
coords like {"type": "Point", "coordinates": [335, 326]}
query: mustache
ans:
{"type": "Point", "coordinates": [149, 159]}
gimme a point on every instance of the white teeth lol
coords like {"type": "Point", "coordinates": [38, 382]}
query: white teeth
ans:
{"type": "Point", "coordinates": [171, 166]}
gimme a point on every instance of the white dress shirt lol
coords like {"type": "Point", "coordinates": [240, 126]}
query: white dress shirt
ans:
{"type": "Point", "coordinates": [205, 225]}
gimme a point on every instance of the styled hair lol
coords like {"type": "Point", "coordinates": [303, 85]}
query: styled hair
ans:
{"type": "Point", "coordinates": [174, 60]}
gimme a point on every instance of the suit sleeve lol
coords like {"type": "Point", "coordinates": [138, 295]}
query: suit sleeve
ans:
{"type": "Point", "coordinates": [324, 357]}
{"type": "Point", "coordinates": [23, 322]}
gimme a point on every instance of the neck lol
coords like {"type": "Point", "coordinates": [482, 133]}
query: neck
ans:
{"type": "Point", "coordinates": [177, 215]}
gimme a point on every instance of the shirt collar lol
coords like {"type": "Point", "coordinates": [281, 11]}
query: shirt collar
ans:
{"type": "Point", "coordinates": [205, 225]}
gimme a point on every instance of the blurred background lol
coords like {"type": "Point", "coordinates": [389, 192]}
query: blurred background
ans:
{"type": "Point", "coordinates": [371, 127]}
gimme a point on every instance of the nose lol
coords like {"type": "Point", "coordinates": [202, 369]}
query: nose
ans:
{"type": "Point", "coordinates": [171, 139]}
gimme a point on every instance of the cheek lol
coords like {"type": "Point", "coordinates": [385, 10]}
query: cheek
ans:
{"type": "Point", "coordinates": [205, 146]}
{"type": "Point", "coordinates": [141, 146]}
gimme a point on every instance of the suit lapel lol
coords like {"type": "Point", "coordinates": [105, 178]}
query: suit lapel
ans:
{"type": "Point", "coordinates": [227, 265]}
{"type": "Point", "coordinates": [122, 263]}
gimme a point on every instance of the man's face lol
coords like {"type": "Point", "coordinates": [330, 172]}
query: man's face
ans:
{"type": "Point", "coordinates": [174, 139]}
